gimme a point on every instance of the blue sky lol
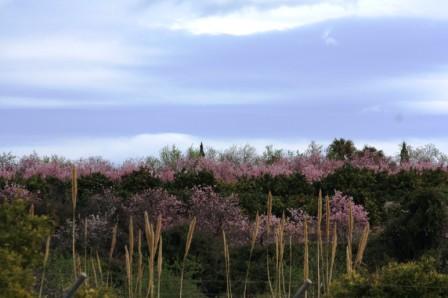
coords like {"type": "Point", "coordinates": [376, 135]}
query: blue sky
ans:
{"type": "Point", "coordinates": [124, 78]}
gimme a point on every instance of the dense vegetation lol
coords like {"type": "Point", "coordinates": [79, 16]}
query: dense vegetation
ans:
{"type": "Point", "coordinates": [402, 199]}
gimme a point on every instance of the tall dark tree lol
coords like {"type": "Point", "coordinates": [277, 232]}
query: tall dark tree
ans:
{"type": "Point", "coordinates": [341, 149]}
{"type": "Point", "coordinates": [201, 150]}
{"type": "Point", "coordinates": [404, 153]}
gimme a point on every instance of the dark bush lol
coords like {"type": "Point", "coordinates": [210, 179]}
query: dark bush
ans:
{"type": "Point", "coordinates": [137, 181]}
{"type": "Point", "coordinates": [419, 226]}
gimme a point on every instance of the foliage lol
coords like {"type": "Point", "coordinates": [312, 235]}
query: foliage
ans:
{"type": "Point", "coordinates": [419, 226]}
{"type": "Point", "coordinates": [412, 279]}
{"type": "Point", "coordinates": [341, 149]}
{"type": "Point", "coordinates": [189, 179]}
{"type": "Point", "coordinates": [20, 247]}
{"type": "Point", "coordinates": [404, 153]}
{"type": "Point", "coordinates": [137, 181]}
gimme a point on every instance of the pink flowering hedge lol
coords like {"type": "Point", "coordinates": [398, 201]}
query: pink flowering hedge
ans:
{"type": "Point", "coordinates": [314, 167]}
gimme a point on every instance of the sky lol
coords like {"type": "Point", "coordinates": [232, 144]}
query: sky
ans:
{"type": "Point", "coordinates": [123, 78]}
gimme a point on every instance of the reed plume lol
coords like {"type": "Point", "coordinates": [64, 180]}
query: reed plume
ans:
{"type": "Point", "coordinates": [306, 266]}
{"type": "Point", "coordinates": [100, 269]}
{"type": "Point", "coordinates": [227, 266]}
{"type": "Point", "coordinates": [159, 266]}
{"type": "Point", "coordinates": [290, 266]}
{"type": "Point", "coordinates": [139, 265]}
{"type": "Point", "coordinates": [150, 240]}
{"type": "Point", "coordinates": [111, 250]}
{"type": "Point", "coordinates": [269, 212]}
{"type": "Point", "coordinates": [131, 250]}
{"type": "Point", "coordinates": [128, 270]}
{"type": "Point", "coordinates": [85, 243]}
{"type": "Point", "coordinates": [268, 230]}
{"type": "Point", "coordinates": [334, 245]}
{"type": "Point", "coordinates": [74, 199]}
{"type": "Point", "coordinates": [46, 255]}
{"type": "Point", "coordinates": [327, 241]}
{"type": "Point", "coordinates": [95, 276]}
{"type": "Point", "coordinates": [319, 242]}
{"type": "Point", "coordinates": [252, 245]}
{"type": "Point", "coordinates": [191, 229]}
{"type": "Point", "coordinates": [131, 239]}
{"type": "Point", "coordinates": [362, 246]}
{"type": "Point", "coordinates": [113, 242]}
{"type": "Point", "coordinates": [349, 262]}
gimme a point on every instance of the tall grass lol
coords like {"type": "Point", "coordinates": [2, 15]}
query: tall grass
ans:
{"type": "Point", "coordinates": [334, 245]}
{"type": "Point", "coordinates": [306, 266]}
{"type": "Point", "coordinates": [74, 199]}
{"type": "Point", "coordinates": [46, 255]}
{"type": "Point", "coordinates": [140, 269]}
{"type": "Point", "coordinates": [268, 231]}
{"type": "Point", "coordinates": [349, 262]}
{"type": "Point", "coordinates": [227, 265]}
{"type": "Point", "coordinates": [128, 271]}
{"type": "Point", "coordinates": [362, 246]}
{"type": "Point", "coordinates": [191, 229]}
{"type": "Point", "coordinates": [252, 246]}
{"type": "Point", "coordinates": [159, 266]}
{"type": "Point", "coordinates": [319, 242]}
{"type": "Point", "coordinates": [327, 242]}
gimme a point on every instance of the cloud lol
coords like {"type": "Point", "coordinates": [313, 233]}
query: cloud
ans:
{"type": "Point", "coordinates": [253, 19]}
{"type": "Point", "coordinates": [428, 92]}
{"type": "Point", "coordinates": [328, 39]}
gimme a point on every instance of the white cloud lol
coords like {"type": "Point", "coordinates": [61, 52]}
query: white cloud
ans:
{"type": "Point", "coordinates": [430, 94]}
{"type": "Point", "coordinates": [75, 50]}
{"type": "Point", "coordinates": [328, 39]}
{"type": "Point", "coordinates": [429, 106]}
{"type": "Point", "coordinates": [253, 19]}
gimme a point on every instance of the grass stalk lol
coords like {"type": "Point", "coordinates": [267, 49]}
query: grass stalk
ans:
{"type": "Point", "coordinates": [349, 262]}
{"type": "Point", "coordinates": [268, 231]}
{"type": "Point", "coordinates": [47, 254]}
{"type": "Point", "coordinates": [191, 229]}
{"type": "Point", "coordinates": [149, 232]}
{"type": "Point", "coordinates": [362, 246]}
{"type": "Point", "coordinates": [85, 243]}
{"type": "Point", "coordinates": [111, 250]}
{"type": "Point", "coordinates": [100, 269]}
{"type": "Point", "coordinates": [227, 266]}
{"type": "Point", "coordinates": [327, 242]}
{"type": "Point", "coordinates": [334, 245]}
{"type": "Point", "coordinates": [159, 266]}
{"type": "Point", "coordinates": [252, 246]}
{"type": "Point", "coordinates": [131, 239]}
{"type": "Point", "coordinates": [74, 195]}
{"type": "Point", "coordinates": [306, 266]}
{"type": "Point", "coordinates": [290, 267]}
{"type": "Point", "coordinates": [95, 276]}
{"type": "Point", "coordinates": [139, 265]}
{"type": "Point", "coordinates": [128, 271]}
{"type": "Point", "coordinates": [319, 242]}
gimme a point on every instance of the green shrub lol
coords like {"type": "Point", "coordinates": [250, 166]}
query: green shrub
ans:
{"type": "Point", "coordinates": [419, 226]}
{"type": "Point", "coordinates": [404, 280]}
{"type": "Point", "coordinates": [137, 181]}
{"type": "Point", "coordinates": [189, 179]}
{"type": "Point", "coordinates": [361, 184]}
{"type": "Point", "coordinates": [21, 237]}
{"type": "Point", "coordinates": [412, 279]}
